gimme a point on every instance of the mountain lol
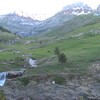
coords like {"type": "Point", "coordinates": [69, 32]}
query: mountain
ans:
{"type": "Point", "coordinates": [18, 24]}
{"type": "Point", "coordinates": [26, 26]}
{"type": "Point", "coordinates": [98, 8]}
{"type": "Point", "coordinates": [73, 24]}
{"type": "Point", "coordinates": [76, 37]}
{"type": "Point", "coordinates": [77, 9]}
{"type": "Point", "coordinates": [97, 12]}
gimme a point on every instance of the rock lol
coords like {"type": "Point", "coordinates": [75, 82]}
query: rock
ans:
{"type": "Point", "coordinates": [75, 89]}
{"type": "Point", "coordinates": [14, 74]}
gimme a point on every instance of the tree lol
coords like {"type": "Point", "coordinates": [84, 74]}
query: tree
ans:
{"type": "Point", "coordinates": [56, 51]}
{"type": "Point", "coordinates": [62, 58]}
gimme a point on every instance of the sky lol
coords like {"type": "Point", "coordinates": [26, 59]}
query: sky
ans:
{"type": "Point", "coordinates": [41, 9]}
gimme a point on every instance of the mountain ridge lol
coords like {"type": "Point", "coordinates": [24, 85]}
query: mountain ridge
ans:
{"type": "Point", "coordinates": [26, 26]}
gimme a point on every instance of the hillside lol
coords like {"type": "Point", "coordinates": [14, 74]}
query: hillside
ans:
{"type": "Point", "coordinates": [6, 36]}
{"type": "Point", "coordinates": [6, 39]}
{"type": "Point", "coordinates": [26, 26]}
{"type": "Point", "coordinates": [79, 77]}
{"type": "Point", "coordinates": [81, 47]}
{"type": "Point", "coordinates": [79, 42]}
{"type": "Point", "coordinates": [73, 24]}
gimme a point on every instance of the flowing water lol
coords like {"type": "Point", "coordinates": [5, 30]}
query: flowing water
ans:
{"type": "Point", "coordinates": [33, 63]}
{"type": "Point", "coordinates": [2, 78]}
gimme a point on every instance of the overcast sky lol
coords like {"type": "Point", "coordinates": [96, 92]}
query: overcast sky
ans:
{"type": "Point", "coordinates": [39, 7]}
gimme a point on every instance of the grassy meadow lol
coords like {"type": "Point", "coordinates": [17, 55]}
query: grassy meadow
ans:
{"type": "Point", "coordinates": [80, 45]}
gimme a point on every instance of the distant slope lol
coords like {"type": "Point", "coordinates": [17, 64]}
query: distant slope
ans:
{"type": "Point", "coordinates": [6, 36]}
{"type": "Point", "coordinates": [20, 25]}
{"type": "Point", "coordinates": [26, 26]}
{"type": "Point", "coordinates": [73, 24]}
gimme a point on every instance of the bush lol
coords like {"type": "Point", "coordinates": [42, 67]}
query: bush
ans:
{"type": "Point", "coordinates": [56, 51]}
{"type": "Point", "coordinates": [59, 80]}
{"type": "Point", "coordinates": [19, 61]}
{"type": "Point", "coordinates": [2, 96]}
{"type": "Point", "coordinates": [24, 80]}
{"type": "Point", "coordinates": [62, 58]}
{"type": "Point", "coordinates": [19, 58]}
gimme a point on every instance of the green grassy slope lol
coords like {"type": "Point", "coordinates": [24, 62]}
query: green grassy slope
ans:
{"type": "Point", "coordinates": [6, 39]}
{"type": "Point", "coordinates": [81, 46]}
{"type": "Point", "coordinates": [75, 23]}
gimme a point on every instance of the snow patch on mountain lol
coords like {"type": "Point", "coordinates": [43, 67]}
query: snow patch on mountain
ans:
{"type": "Point", "coordinates": [77, 9]}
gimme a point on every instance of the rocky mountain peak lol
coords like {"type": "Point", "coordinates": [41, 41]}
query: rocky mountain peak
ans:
{"type": "Point", "coordinates": [16, 17]}
{"type": "Point", "coordinates": [77, 9]}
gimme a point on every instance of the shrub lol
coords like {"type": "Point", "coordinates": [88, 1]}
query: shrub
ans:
{"type": "Point", "coordinates": [56, 51]}
{"type": "Point", "coordinates": [24, 80]}
{"type": "Point", "coordinates": [2, 96]}
{"type": "Point", "coordinates": [59, 80]}
{"type": "Point", "coordinates": [62, 58]}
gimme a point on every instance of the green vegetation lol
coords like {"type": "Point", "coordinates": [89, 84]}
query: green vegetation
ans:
{"type": "Point", "coordinates": [4, 30]}
{"type": "Point", "coordinates": [62, 58]}
{"type": "Point", "coordinates": [80, 42]}
{"type": "Point", "coordinates": [2, 96]}
{"type": "Point", "coordinates": [24, 80]}
{"type": "Point", "coordinates": [59, 80]}
{"type": "Point", "coordinates": [56, 51]}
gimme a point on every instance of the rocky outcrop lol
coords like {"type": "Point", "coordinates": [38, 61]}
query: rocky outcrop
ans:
{"type": "Point", "coordinates": [14, 74]}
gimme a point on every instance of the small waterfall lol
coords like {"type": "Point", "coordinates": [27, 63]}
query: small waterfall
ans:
{"type": "Point", "coordinates": [2, 78]}
{"type": "Point", "coordinates": [32, 62]}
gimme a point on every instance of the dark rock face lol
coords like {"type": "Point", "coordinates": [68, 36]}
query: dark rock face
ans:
{"type": "Point", "coordinates": [10, 75]}
{"type": "Point", "coordinates": [77, 88]}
